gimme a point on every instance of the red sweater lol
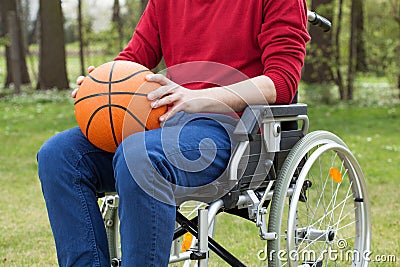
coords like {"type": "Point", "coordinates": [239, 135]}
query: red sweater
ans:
{"type": "Point", "coordinates": [254, 37]}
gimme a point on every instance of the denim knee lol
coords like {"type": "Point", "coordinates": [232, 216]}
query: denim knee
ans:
{"type": "Point", "coordinates": [141, 166]}
{"type": "Point", "coordinates": [50, 157]}
{"type": "Point", "coordinates": [69, 154]}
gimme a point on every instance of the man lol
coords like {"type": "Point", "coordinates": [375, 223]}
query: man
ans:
{"type": "Point", "coordinates": [221, 56]}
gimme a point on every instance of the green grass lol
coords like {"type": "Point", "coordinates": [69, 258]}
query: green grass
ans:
{"type": "Point", "coordinates": [27, 121]}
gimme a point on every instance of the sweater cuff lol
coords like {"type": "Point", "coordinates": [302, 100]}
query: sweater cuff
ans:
{"type": "Point", "coordinates": [283, 94]}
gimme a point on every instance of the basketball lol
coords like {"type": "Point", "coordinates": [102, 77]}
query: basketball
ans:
{"type": "Point", "coordinates": [112, 104]}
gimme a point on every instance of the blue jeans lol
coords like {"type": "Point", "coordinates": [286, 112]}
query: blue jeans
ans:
{"type": "Point", "coordinates": [147, 171]}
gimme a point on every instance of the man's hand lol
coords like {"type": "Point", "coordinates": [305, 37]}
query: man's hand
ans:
{"type": "Point", "coordinates": [177, 97]}
{"type": "Point", "coordinates": [79, 81]}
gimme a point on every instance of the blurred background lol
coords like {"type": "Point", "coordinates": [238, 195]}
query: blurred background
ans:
{"type": "Point", "coordinates": [48, 43]}
{"type": "Point", "coordinates": [351, 83]}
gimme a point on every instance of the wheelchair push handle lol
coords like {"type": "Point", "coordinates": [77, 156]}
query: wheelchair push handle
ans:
{"type": "Point", "coordinates": [319, 21]}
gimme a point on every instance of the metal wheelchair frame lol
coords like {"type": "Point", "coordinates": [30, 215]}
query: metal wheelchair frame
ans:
{"type": "Point", "coordinates": [272, 180]}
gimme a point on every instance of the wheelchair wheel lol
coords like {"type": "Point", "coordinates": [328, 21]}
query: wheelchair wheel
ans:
{"type": "Point", "coordinates": [320, 207]}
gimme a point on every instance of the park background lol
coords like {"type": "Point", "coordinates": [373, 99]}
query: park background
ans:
{"type": "Point", "coordinates": [351, 82]}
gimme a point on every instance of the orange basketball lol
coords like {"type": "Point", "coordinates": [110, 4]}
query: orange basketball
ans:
{"type": "Point", "coordinates": [111, 104]}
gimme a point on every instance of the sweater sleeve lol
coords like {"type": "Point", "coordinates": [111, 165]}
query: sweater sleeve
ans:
{"type": "Point", "coordinates": [144, 47]}
{"type": "Point", "coordinates": [283, 39]}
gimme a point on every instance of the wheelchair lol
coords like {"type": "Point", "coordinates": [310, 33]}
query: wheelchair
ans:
{"type": "Point", "coordinates": [305, 192]}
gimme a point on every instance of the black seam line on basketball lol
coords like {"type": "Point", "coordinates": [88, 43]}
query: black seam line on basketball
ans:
{"type": "Point", "coordinates": [118, 81]}
{"type": "Point", "coordinates": [112, 93]}
{"type": "Point", "coordinates": [91, 118]}
{"type": "Point", "coordinates": [116, 106]}
{"type": "Point", "coordinates": [109, 106]}
{"type": "Point", "coordinates": [132, 115]}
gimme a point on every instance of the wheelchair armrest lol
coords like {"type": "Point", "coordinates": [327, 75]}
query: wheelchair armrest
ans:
{"type": "Point", "coordinates": [251, 119]}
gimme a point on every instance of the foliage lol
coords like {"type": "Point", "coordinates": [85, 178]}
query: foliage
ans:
{"type": "Point", "coordinates": [370, 92]}
{"type": "Point", "coordinates": [108, 40]}
{"type": "Point", "coordinates": [4, 41]}
{"type": "Point", "coordinates": [2, 65]}
{"type": "Point", "coordinates": [381, 37]}
{"type": "Point", "coordinates": [109, 37]}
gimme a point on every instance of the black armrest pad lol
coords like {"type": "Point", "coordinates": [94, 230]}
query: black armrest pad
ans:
{"type": "Point", "coordinates": [288, 110]}
{"type": "Point", "coordinates": [252, 116]}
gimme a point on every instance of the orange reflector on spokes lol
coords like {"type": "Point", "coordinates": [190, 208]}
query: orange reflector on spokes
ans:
{"type": "Point", "coordinates": [186, 241]}
{"type": "Point", "coordinates": [335, 174]}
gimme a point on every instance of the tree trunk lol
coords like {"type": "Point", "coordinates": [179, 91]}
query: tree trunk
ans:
{"type": "Point", "coordinates": [339, 78]}
{"type": "Point", "coordinates": [398, 53]}
{"type": "Point", "coordinates": [117, 22]}
{"type": "Point", "coordinates": [143, 4]}
{"type": "Point", "coordinates": [80, 36]}
{"type": "Point", "coordinates": [361, 63]}
{"type": "Point", "coordinates": [7, 6]}
{"type": "Point", "coordinates": [14, 51]}
{"type": "Point", "coordinates": [396, 15]}
{"type": "Point", "coordinates": [398, 84]}
{"type": "Point", "coordinates": [52, 65]}
{"type": "Point", "coordinates": [351, 72]}
{"type": "Point", "coordinates": [317, 67]}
